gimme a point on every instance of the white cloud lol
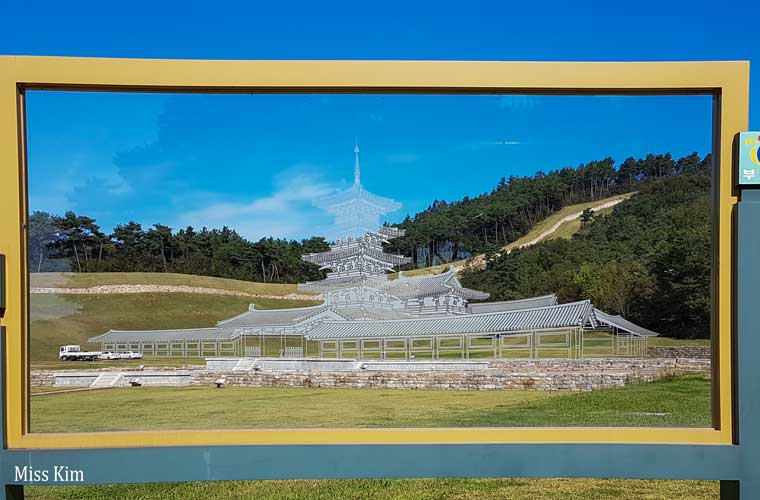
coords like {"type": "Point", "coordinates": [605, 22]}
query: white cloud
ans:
{"type": "Point", "coordinates": [286, 213]}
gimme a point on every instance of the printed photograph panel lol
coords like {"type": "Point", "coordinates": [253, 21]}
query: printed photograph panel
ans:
{"type": "Point", "coordinates": [323, 261]}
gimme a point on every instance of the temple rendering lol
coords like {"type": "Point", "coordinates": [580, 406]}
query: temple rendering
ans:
{"type": "Point", "coordinates": [359, 287]}
{"type": "Point", "coordinates": [356, 210]}
{"type": "Point", "coordinates": [368, 313]}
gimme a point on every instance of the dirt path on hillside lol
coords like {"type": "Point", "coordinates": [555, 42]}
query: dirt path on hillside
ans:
{"type": "Point", "coordinates": [479, 261]}
{"type": "Point", "coordinates": [118, 289]}
{"type": "Point", "coordinates": [571, 217]}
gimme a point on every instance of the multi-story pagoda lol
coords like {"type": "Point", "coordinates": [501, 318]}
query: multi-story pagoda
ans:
{"type": "Point", "coordinates": [356, 210]}
{"type": "Point", "coordinates": [358, 283]}
{"type": "Point", "coordinates": [360, 257]}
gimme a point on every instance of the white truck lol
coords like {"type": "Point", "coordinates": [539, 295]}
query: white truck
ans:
{"type": "Point", "coordinates": [74, 353]}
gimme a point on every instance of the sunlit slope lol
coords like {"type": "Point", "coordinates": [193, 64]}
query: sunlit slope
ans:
{"type": "Point", "coordinates": [565, 222]}
{"type": "Point", "coordinates": [562, 224]}
{"type": "Point", "coordinates": [64, 317]}
{"type": "Point", "coordinates": [59, 319]}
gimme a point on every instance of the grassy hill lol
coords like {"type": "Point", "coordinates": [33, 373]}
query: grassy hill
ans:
{"type": "Point", "coordinates": [555, 226]}
{"type": "Point", "coordinates": [58, 319]}
{"type": "Point", "coordinates": [86, 280]}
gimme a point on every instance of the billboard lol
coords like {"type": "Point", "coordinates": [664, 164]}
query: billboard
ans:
{"type": "Point", "coordinates": [338, 300]}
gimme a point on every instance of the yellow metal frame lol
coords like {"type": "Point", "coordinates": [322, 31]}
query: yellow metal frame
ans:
{"type": "Point", "coordinates": [727, 82]}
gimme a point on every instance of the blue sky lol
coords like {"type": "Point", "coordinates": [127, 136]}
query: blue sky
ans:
{"type": "Point", "coordinates": [256, 162]}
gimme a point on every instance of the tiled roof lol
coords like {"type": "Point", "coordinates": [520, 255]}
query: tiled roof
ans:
{"type": "Point", "coordinates": [574, 314]}
{"type": "Point", "coordinates": [356, 194]}
{"type": "Point", "coordinates": [355, 323]}
{"type": "Point", "coordinates": [404, 287]}
{"type": "Point", "coordinates": [622, 324]}
{"type": "Point", "coordinates": [409, 287]}
{"type": "Point", "coordinates": [391, 231]}
{"type": "Point", "coordinates": [175, 335]}
{"type": "Point", "coordinates": [513, 305]}
{"type": "Point", "coordinates": [276, 317]}
{"type": "Point", "coordinates": [349, 252]}
{"type": "Point", "coordinates": [355, 314]}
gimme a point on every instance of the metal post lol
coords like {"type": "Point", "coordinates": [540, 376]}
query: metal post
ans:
{"type": "Point", "coordinates": [747, 347]}
{"type": "Point", "coordinates": [729, 490]}
{"type": "Point", "coordinates": [12, 492]}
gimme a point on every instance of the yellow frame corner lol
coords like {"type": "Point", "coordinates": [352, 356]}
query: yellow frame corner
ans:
{"type": "Point", "coordinates": [727, 82]}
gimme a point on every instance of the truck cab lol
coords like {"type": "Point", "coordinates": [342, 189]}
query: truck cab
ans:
{"type": "Point", "coordinates": [68, 348]}
{"type": "Point", "coordinates": [74, 352]}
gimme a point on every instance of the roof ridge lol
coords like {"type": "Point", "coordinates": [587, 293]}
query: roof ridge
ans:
{"type": "Point", "coordinates": [471, 315]}
{"type": "Point", "coordinates": [165, 330]}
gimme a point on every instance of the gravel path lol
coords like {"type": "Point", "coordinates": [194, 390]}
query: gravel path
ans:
{"type": "Point", "coordinates": [571, 217]}
{"type": "Point", "coordinates": [118, 289]}
{"type": "Point", "coordinates": [479, 261]}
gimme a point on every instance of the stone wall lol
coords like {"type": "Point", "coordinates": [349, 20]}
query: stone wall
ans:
{"type": "Point", "coordinates": [515, 374]}
{"type": "Point", "coordinates": [536, 375]}
{"type": "Point", "coordinates": [679, 352]}
{"type": "Point", "coordinates": [41, 378]}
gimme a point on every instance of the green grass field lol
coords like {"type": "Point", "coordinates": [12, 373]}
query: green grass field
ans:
{"type": "Point", "coordinates": [71, 319]}
{"type": "Point", "coordinates": [682, 401]}
{"type": "Point", "coordinates": [392, 489]}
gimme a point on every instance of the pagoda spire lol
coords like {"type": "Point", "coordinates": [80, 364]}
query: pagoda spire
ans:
{"type": "Point", "coordinates": [356, 210]}
{"type": "Point", "coordinates": [357, 172]}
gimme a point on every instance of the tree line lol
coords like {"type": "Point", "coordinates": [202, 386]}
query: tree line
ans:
{"type": "Point", "coordinates": [448, 231]}
{"type": "Point", "coordinates": [649, 260]}
{"type": "Point", "coordinates": [75, 242]}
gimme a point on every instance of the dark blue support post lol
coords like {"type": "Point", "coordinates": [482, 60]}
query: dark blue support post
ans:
{"type": "Point", "coordinates": [748, 343]}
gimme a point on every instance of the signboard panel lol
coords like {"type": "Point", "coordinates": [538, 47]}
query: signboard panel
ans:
{"type": "Point", "coordinates": [749, 158]}
{"type": "Point", "coordinates": [238, 454]}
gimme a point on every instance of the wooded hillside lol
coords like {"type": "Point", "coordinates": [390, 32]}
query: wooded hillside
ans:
{"type": "Point", "coordinates": [449, 231]}
{"type": "Point", "coordinates": [649, 260]}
